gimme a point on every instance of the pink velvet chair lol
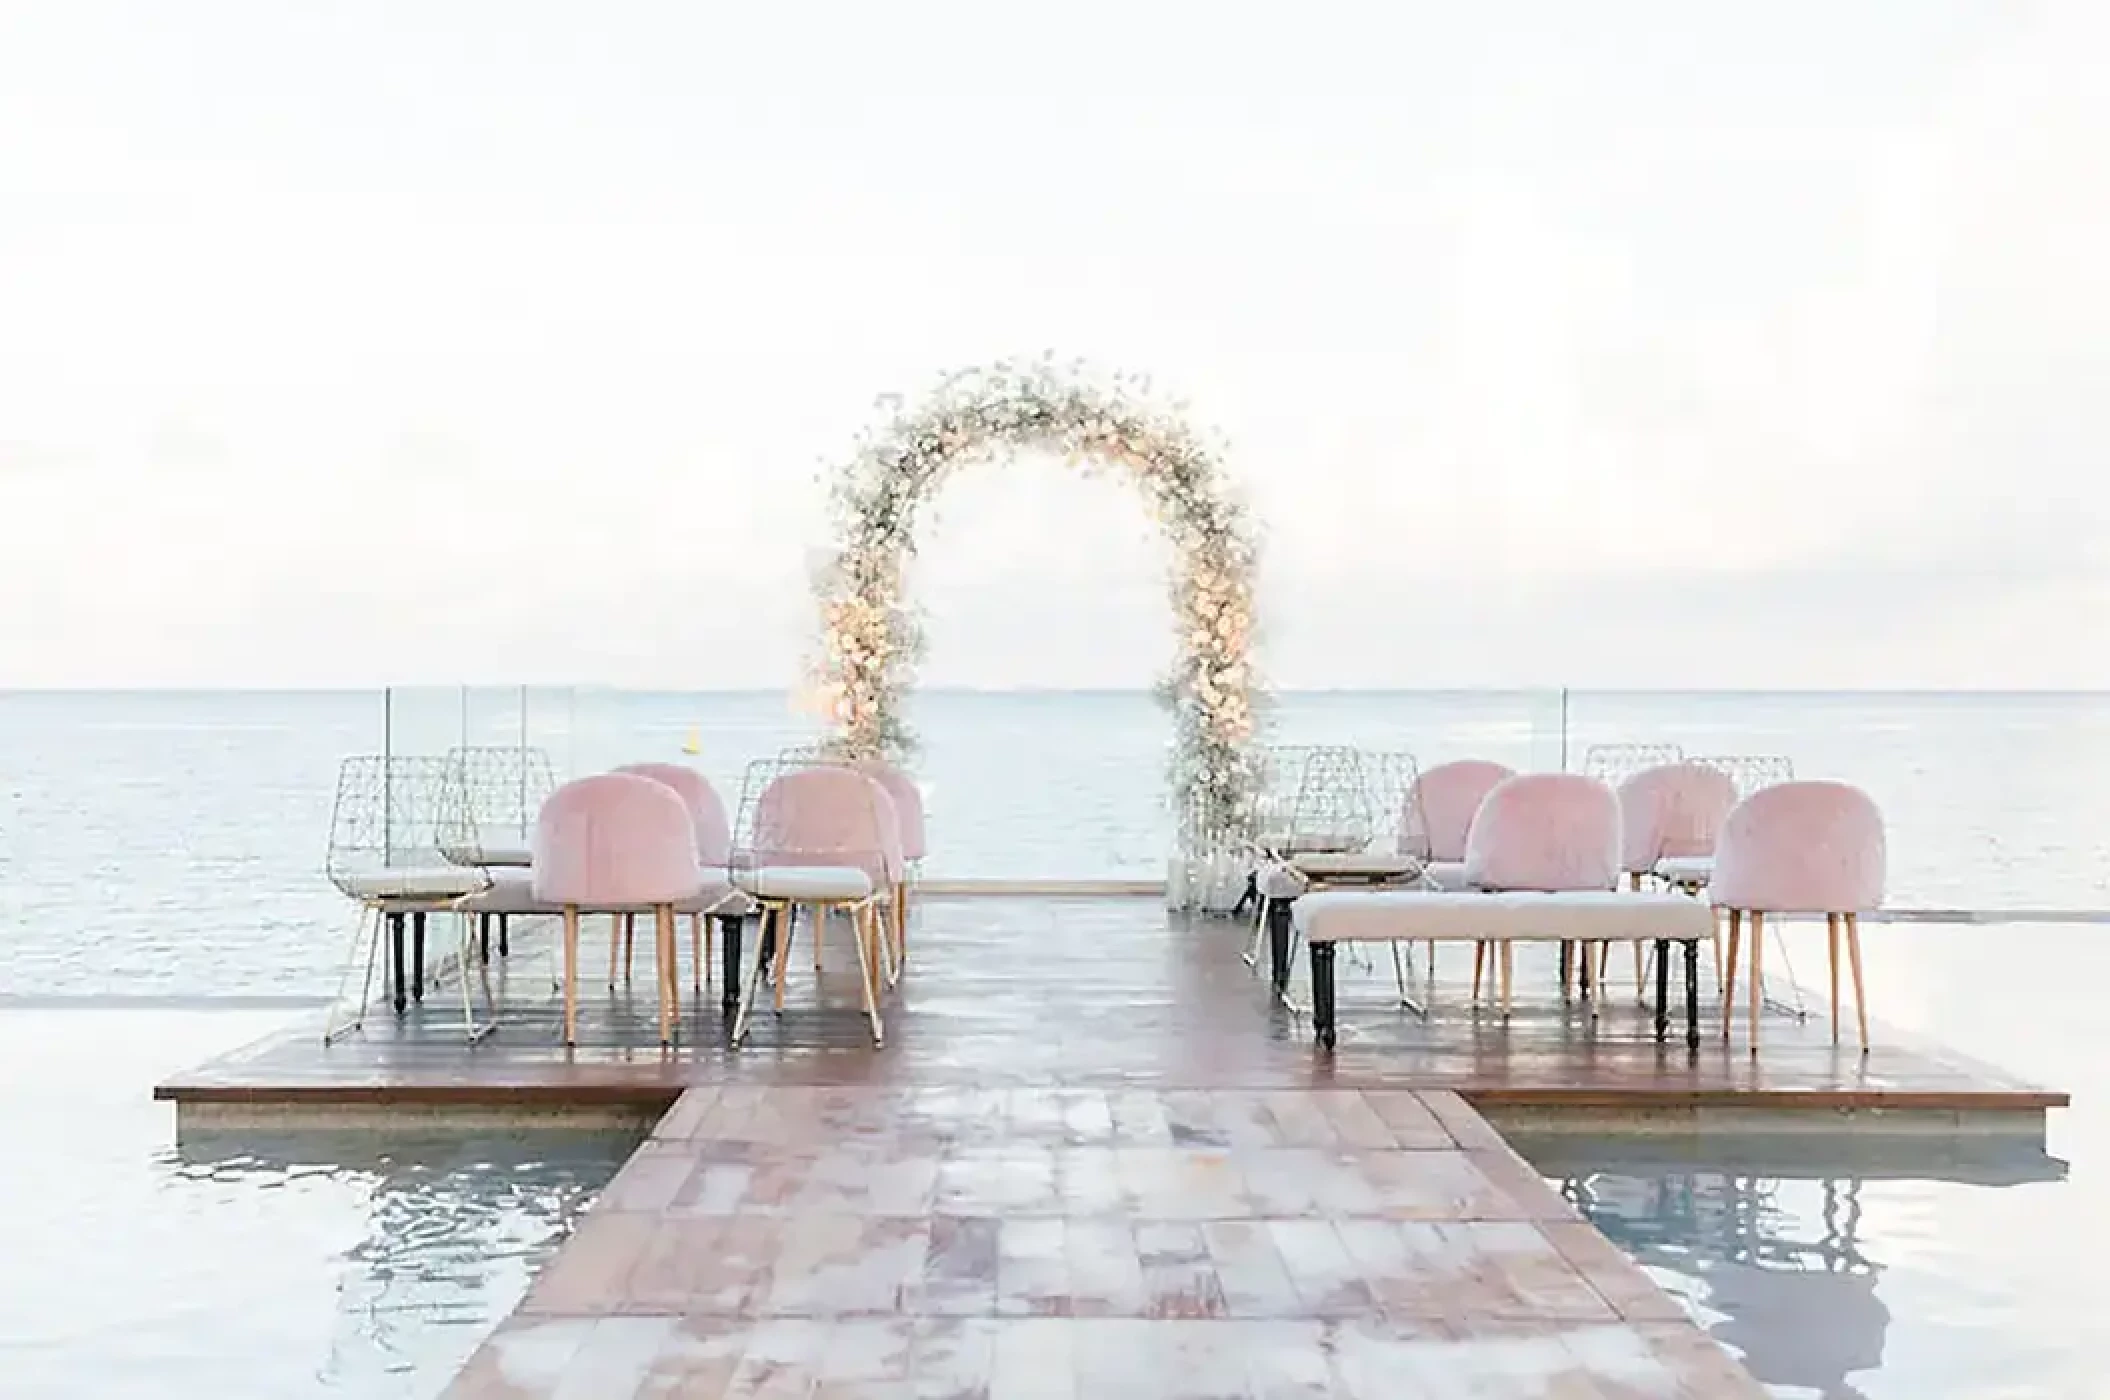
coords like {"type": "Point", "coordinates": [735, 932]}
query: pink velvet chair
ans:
{"type": "Point", "coordinates": [1439, 811]}
{"type": "Point", "coordinates": [1669, 818]}
{"type": "Point", "coordinates": [1800, 848]}
{"type": "Point", "coordinates": [824, 837]}
{"type": "Point", "coordinates": [616, 843]}
{"type": "Point", "coordinates": [1551, 832]}
{"type": "Point", "coordinates": [714, 845]}
{"type": "Point", "coordinates": [908, 810]}
{"type": "Point", "coordinates": [1433, 822]}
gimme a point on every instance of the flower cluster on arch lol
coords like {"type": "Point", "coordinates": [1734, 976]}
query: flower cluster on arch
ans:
{"type": "Point", "coordinates": [871, 636]}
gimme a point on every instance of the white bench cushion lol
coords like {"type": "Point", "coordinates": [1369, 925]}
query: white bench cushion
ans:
{"type": "Point", "coordinates": [1686, 870]}
{"type": "Point", "coordinates": [1384, 916]}
{"type": "Point", "coordinates": [409, 885]}
{"type": "Point", "coordinates": [816, 882]}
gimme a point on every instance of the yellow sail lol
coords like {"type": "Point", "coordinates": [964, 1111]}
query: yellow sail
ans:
{"type": "Point", "coordinates": [694, 743]}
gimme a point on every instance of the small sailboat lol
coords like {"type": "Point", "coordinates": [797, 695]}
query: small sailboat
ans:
{"type": "Point", "coordinates": [694, 743]}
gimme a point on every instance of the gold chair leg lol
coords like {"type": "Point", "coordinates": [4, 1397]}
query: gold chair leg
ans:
{"type": "Point", "coordinates": [1831, 941]}
{"type": "Point", "coordinates": [571, 976]}
{"type": "Point", "coordinates": [1757, 990]}
{"type": "Point", "coordinates": [784, 927]}
{"type": "Point", "coordinates": [754, 979]}
{"type": "Point", "coordinates": [1736, 947]}
{"type": "Point", "coordinates": [663, 965]}
{"type": "Point", "coordinates": [1509, 969]}
{"type": "Point", "coordinates": [1853, 951]}
{"type": "Point", "coordinates": [629, 945]}
{"type": "Point", "coordinates": [900, 927]}
{"type": "Point", "coordinates": [700, 941]}
{"type": "Point", "coordinates": [864, 918]}
{"type": "Point", "coordinates": [674, 968]}
{"type": "Point", "coordinates": [1479, 969]}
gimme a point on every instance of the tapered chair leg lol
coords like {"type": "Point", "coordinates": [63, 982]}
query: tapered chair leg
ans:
{"type": "Point", "coordinates": [1736, 935]}
{"type": "Point", "coordinates": [1831, 941]}
{"type": "Point", "coordinates": [1853, 953]}
{"type": "Point", "coordinates": [571, 976]}
{"type": "Point", "coordinates": [1757, 990]}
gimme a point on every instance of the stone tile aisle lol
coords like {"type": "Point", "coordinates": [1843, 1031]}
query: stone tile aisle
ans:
{"type": "Point", "coordinates": [777, 1241]}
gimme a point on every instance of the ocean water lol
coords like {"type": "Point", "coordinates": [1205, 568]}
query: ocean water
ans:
{"type": "Point", "coordinates": [172, 845]}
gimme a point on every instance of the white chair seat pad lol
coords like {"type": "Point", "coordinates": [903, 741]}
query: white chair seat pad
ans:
{"type": "Point", "coordinates": [513, 892]}
{"type": "Point", "coordinates": [491, 854]}
{"type": "Point", "coordinates": [842, 883]}
{"type": "Point", "coordinates": [1446, 875]}
{"type": "Point", "coordinates": [1355, 865]}
{"type": "Point", "coordinates": [1384, 916]}
{"type": "Point", "coordinates": [1686, 870]}
{"type": "Point", "coordinates": [450, 882]}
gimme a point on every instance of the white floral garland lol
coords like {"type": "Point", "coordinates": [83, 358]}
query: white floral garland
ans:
{"type": "Point", "coordinates": [872, 640]}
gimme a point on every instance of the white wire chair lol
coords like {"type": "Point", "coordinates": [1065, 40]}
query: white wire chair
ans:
{"type": "Point", "coordinates": [385, 853]}
{"type": "Point", "coordinates": [817, 833]}
{"type": "Point", "coordinates": [1751, 772]}
{"type": "Point", "coordinates": [1613, 764]}
{"type": "Point", "coordinates": [489, 798]}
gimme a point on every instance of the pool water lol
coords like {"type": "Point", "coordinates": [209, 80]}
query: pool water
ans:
{"type": "Point", "coordinates": [252, 1264]}
{"type": "Point", "coordinates": [1845, 1264]}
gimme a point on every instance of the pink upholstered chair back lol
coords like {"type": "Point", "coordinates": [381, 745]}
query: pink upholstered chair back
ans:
{"type": "Point", "coordinates": [615, 840]}
{"type": "Point", "coordinates": [828, 815]}
{"type": "Point", "coordinates": [908, 803]}
{"type": "Point", "coordinates": [714, 835]}
{"type": "Point", "coordinates": [1545, 831]}
{"type": "Point", "coordinates": [1801, 848]}
{"type": "Point", "coordinates": [1673, 809]}
{"type": "Point", "coordinates": [1441, 806]}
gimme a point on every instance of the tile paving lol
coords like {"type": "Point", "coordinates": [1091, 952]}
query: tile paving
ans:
{"type": "Point", "coordinates": [1083, 1242]}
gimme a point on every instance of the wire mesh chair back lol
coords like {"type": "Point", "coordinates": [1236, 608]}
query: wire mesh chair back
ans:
{"type": "Point", "coordinates": [1333, 810]}
{"type": "Point", "coordinates": [1751, 772]}
{"type": "Point", "coordinates": [386, 816]}
{"type": "Point", "coordinates": [805, 809]}
{"type": "Point", "coordinates": [1279, 774]}
{"type": "Point", "coordinates": [1613, 764]}
{"type": "Point", "coordinates": [489, 798]}
{"type": "Point", "coordinates": [1391, 777]}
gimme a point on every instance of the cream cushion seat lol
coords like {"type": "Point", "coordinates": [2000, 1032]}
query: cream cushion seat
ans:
{"type": "Point", "coordinates": [1691, 871]}
{"type": "Point", "coordinates": [445, 883]}
{"type": "Point", "coordinates": [827, 884]}
{"type": "Point", "coordinates": [513, 892]}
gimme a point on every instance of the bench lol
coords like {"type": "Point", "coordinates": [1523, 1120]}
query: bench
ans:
{"type": "Point", "coordinates": [1328, 918]}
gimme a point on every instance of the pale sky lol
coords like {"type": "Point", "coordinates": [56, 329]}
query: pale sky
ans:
{"type": "Point", "coordinates": [1592, 344]}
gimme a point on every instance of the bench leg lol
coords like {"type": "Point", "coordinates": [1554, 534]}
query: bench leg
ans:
{"type": "Point", "coordinates": [729, 945]}
{"type": "Point", "coordinates": [1322, 993]}
{"type": "Point", "coordinates": [1278, 929]}
{"type": "Point", "coordinates": [400, 981]}
{"type": "Point", "coordinates": [1662, 988]}
{"type": "Point", "coordinates": [1692, 995]}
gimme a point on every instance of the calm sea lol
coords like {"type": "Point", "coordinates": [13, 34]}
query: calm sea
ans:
{"type": "Point", "coordinates": [172, 844]}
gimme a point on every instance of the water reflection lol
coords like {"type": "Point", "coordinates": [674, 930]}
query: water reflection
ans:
{"type": "Point", "coordinates": [1766, 1243]}
{"type": "Point", "coordinates": [445, 1234]}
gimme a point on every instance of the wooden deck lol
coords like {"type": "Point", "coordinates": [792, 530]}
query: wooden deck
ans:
{"type": "Point", "coordinates": [1033, 992]}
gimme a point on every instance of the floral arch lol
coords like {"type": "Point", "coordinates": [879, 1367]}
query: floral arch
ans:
{"type": "Point", "coordinates": [872, 638]}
